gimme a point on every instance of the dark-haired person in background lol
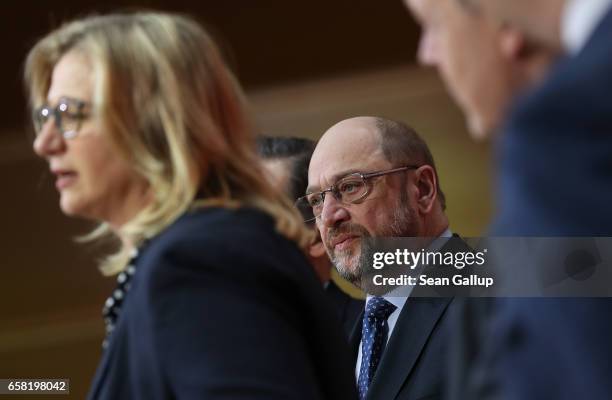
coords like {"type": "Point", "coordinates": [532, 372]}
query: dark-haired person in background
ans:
{"type": "Point", "coordinates": [286, 159]}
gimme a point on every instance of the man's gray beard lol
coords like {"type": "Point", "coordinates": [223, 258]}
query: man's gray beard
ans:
{"type": "Point", "coordinates": [404, 224]}
{"type": "Point", "coordinates": [353, 275]}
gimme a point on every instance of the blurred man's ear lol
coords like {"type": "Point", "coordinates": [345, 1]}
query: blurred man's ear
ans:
{"type": "Point", "coordinates": [529, 60]}
{"type": "Point", "coordinates": [512, 44]}
{"type": "Point", "coordinates": [517, 46]}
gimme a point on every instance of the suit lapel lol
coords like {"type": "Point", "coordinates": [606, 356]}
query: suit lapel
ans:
{"type": "Point", "coordinates": [415, 324]}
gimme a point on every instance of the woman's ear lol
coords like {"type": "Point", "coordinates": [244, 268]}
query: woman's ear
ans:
{"type": "Point", "coordinates": [427, 188]}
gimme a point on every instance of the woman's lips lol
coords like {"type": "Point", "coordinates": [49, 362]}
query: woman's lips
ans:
{"type": "Point", "coordinates": [65, 179]}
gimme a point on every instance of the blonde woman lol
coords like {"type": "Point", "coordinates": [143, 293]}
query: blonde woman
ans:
{"type": "Point", "coordinates": [145, 130]}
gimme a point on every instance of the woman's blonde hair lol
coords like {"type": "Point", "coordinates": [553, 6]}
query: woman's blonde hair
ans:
{"type": "Point", "coordinates": [174, 111]}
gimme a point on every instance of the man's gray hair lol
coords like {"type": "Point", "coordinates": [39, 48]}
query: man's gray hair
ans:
{"type": "Point", "coordinates": [402, 145]}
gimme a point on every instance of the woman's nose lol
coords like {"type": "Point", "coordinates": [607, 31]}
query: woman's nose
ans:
{"type": "Point", "coordinates": [49, 140]}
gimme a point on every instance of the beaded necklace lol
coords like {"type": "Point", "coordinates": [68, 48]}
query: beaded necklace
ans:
{"type": "Point", "coordinates": [112, 306]}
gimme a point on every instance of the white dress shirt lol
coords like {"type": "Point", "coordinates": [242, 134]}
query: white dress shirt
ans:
{"type": "Point", "coordinates": [398, 297]}
{"type": "Point", "coordinates": [579, 20]}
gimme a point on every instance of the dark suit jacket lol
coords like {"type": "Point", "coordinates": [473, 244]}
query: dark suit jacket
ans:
{"type": "Point", "coordinates": [348, 308]}
{"type": "Point", "coordinates": [556, 180]}
{"type": "Point", "coordinates": [555, 174]}
{"type": "Point", "coordinates": [223, 307]}
{"type": "Point", "coordinates": [414, 362]}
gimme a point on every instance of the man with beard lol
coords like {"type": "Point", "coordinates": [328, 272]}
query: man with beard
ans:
{"type": "Point", "coordinates": [372, 177]}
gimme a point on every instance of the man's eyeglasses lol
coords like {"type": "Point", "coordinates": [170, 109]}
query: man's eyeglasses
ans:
{"type": "Point", "coordinates": [68, 114]}
{"type": "Point", "coordinates": [348, 190]}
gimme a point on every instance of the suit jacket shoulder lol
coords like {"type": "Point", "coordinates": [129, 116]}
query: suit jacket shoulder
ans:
{"type": "Point", "coordinates": [221, 306]}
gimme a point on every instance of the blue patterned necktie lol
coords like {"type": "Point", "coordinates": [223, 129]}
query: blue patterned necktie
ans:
{"type": "Point", "coordinates": [373, 340]}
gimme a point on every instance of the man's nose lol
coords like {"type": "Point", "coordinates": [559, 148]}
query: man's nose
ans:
{"type": "Point", "coordinates": [333, 211]}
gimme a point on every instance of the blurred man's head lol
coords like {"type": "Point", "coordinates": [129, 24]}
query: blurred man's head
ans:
{"type": "Point", "coordinates": [286, 160]}
{"type": "Point", "coordinates": [483, 60]}
{"type": "Point", "coordinates": [372, 177]}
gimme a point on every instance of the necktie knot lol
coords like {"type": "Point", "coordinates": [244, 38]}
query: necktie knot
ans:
{"type": "Point", "coordinates": [379, 308]}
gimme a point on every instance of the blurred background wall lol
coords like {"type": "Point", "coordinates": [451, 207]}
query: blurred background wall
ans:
{"type": "Point", "coordinates": [305, 66]}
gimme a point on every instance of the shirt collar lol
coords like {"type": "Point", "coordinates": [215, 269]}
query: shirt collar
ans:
{"type": "Point", "coordinates": [399, 295]}
{"type": "Point", "coordinates": [579, 20]}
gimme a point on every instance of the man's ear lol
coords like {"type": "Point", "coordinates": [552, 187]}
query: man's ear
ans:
{"type": "Point", "coordinates": [427, 189]}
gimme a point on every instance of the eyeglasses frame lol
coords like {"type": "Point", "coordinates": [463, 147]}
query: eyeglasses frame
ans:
{"type": "Point", "coordinates": [56, 111]}
{"type": "Point", "coordinates": [333, 189]}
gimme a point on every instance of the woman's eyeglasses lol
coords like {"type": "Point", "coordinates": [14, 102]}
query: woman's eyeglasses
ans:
{"type": "Point", "coordinates": [68, 114]}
